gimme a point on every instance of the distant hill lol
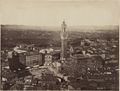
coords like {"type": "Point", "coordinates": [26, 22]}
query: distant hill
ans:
{"type": "Point", "coordinates": [45, 36]}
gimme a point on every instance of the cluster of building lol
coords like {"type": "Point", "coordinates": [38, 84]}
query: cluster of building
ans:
{"type": "Point", "coordinates": [88, 66]}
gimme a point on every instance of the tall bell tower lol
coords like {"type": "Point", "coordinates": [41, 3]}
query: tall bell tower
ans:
{"type": "Point", "coordinates": [64, 36]}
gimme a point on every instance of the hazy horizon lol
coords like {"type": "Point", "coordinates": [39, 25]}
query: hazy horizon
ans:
{"type": "Point", "coordinates": [58, 28]}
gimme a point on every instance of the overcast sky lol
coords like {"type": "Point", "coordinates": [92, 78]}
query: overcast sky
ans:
{"type": "Point", "coordinates": [52, 13]}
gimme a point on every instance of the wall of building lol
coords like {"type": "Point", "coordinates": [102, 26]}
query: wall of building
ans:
{"type": "Point", "coordinates": [32, 60]}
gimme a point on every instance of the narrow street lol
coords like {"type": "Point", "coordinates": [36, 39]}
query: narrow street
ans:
{"type": "Point", "coordinates": [57, 74]}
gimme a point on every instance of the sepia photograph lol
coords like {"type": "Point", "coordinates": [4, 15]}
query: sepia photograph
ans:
{"type": "Point", "coordinates": [59, 45]}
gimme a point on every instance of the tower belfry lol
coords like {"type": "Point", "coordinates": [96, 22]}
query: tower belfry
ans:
{"type": "Point", "coordinates": [63, 40]}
